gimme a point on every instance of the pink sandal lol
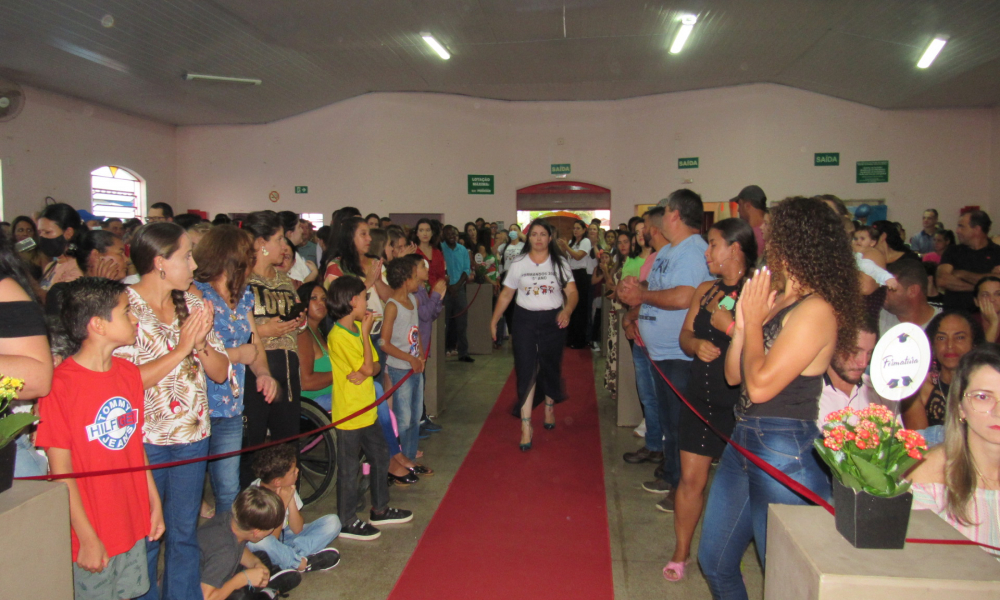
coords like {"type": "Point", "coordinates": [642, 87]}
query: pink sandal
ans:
{"type": "Point", "coordinates": [677, 569]}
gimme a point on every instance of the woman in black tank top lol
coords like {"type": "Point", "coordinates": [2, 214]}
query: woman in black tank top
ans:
{"type": "Point", "coordinates": [705, 336]}
{"type": "Point", "coordinates": [781, 346]}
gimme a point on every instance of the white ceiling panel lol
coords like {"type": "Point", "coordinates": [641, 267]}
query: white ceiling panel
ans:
{"type": "Point", "coordinates": [310, 53]}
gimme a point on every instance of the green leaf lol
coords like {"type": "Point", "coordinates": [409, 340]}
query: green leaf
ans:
{"type": "Point", "coordinates": [12, 425]}
{"type": "Point", "coordinates": [873, 477]}
{"type": "Point", "coordinates": [850, 481]}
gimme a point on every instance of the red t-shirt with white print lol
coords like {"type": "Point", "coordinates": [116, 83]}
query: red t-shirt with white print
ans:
{"type": "Point", "coordinates": [98, 417]}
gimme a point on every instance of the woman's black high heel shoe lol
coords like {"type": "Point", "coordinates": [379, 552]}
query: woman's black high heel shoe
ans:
{"type": "Point", "coordinates": [405, 480]}
{"type": "Point", "coordinates": [526, 447]}
{"type": "Point", "coordinates": [550, 425]}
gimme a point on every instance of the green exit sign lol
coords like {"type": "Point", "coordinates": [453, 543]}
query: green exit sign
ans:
{"type": "Point", "coordinates": [687, 163]}
{"type": "Point", "coordinates": [827, 159]}
{"type": "Point", "coordinates": [480, 184]}
{"type": "Point", "coordinates": [560, 169]}
{"type": "Point", "coordinates": [301, 189]}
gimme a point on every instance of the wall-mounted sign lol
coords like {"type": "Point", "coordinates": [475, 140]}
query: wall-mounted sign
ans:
{"type": "Point", "coordinates": [873, 171]}
{"type": "Point", "coordinates": [827, 159]}
{"type": "Point", "coordinates": [687, 163]}
{"type": "Point", "coordinates": [480, 184]}
{"type": "Point", "coordinates": [560, 169]}
{"type": "Point", "coordinates": [273, 196]}
{"type": "Point", "coordinates": [301, 189]}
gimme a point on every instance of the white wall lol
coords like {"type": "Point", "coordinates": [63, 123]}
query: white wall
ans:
{"type": "Point", "coordinates": [412, 152]}
{"type": "Point", "coordinates": [53, 145]}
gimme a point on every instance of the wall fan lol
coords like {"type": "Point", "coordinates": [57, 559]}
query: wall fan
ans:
{"type": "Point", "coordinates": [11, 100]}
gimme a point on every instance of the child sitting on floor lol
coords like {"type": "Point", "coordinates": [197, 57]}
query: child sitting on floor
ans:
{"type": "Point", "coordinates": [223, 540]}
{"type": "Point", "coordinates": [295, 545]}
{"type": "Point", "coordinates": [354, 365]}
{"type": "Point", "coordinates": [92, 420]}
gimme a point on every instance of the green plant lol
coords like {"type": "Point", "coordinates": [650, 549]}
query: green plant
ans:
{"type": "Point", "coordinates": [867, 452]}
{"type": "Point", "coordinates": [12, 425]}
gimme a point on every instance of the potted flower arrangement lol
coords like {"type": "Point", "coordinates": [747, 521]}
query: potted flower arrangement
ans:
{"type": "Point", "coordinates": [11, 426]}
{"type": "Point", "coordinates": [869, 455]}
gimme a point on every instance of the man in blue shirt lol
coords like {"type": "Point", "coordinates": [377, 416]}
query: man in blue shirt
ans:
{"type": "Point", "coordinates": [456, 262]}
{"type": "Point", "coordinates": [672, 229]}
{"type": "Point", "coordinates": [923, 242]}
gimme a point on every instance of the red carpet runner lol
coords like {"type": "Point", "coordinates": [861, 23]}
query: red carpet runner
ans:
{"type": "Point", "coordinates": [522, 525]}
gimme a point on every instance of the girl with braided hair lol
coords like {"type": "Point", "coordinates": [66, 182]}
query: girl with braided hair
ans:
{"type": "Point", "coordinates": [175, 349]}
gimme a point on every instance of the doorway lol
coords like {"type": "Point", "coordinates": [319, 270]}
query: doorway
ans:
{"type": "Point", "coordinates": [562, 202]}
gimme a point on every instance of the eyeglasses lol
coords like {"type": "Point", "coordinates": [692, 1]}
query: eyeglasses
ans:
{"type": "Point", "coordinates": [982, 402]}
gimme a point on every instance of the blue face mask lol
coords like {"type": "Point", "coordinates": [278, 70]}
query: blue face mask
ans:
{"type": "Point", "coordinates": [512, 235]}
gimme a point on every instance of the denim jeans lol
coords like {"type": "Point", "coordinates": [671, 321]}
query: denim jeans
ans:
{"type": "Point", "coordinates": [180, 493]}
{"type": "Point", "coordinates": [737, 503]}
{"type": "Point", "coordinates": [288, 552]}
{"type": "Point", "coordinates": [645, 385]}
{"type": "Point", "coordinates": [408, 403]}
{"type": "Point", "coordinates": [385, 422]}
{"type": "Point", "coordinates": [28, 462]}
{"type": "Point", "coordinates": [669, 413]}
{"type": "Point", "coordinates": [227, 436]}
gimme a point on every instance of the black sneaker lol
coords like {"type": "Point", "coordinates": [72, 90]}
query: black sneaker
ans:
{"type": "Point", "coordinates": [359, 530]}
{"type": "Point", "coordinates": [266, 561]}
{"type": "Point", "coordinates": [324, 560]}
{"type": "Point", "coordinates": [282, 583]}
{"type": "Point", "coordinates": [390, 516]}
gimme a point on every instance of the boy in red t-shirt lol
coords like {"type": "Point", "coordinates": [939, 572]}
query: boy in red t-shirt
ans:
{"type": "Point", "coordinates": [92, 420]}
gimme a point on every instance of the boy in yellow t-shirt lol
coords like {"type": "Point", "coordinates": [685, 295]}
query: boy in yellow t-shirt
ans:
{"type": "Point", "coordinates": [354, 365]}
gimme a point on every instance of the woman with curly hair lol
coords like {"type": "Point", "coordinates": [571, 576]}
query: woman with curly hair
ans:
{"type": "Point", "coordinates": [781, 346]}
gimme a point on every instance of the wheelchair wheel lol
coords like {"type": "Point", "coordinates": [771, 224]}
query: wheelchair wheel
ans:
{"type": "Point", "coordinates": [317, 454]}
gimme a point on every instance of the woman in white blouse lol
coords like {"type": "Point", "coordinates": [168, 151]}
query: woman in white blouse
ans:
{"type": "Point", "coordinates": [578, 253]}
{"type": "Point", "coordinates": [546, 296]}
{"type": "Point", "coordinates": [175, 349]}
{"type": "Point", "coordinates": [960, 479]}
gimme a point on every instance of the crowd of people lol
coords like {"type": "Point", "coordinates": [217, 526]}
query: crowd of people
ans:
{"type": "Point", "coordinates": [205, 337]}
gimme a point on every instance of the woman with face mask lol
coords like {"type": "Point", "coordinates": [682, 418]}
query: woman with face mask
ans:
{"type": "Point", "coordinates": [59, 230]}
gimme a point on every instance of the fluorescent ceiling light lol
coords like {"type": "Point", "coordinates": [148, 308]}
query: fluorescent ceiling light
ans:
{"type": "Point", "coordinates": [222, 78]}
{"type": "Point", "coordinates": [687, 25]}
{"type": "Point", "coordinates": [435, 45]}
{"type": "Point", "coordinates": [932, 51]}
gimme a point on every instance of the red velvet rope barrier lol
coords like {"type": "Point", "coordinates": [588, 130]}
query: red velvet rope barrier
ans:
{"type": "Point", "coordinates": [780, 476]}
{"type": "Point", "coordinates": [469, 305]}
{"type": "Point", "coordinates": [178, 463]}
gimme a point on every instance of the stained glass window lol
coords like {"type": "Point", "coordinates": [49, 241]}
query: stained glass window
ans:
{"type": "Point", "coordinates": [115, 192]}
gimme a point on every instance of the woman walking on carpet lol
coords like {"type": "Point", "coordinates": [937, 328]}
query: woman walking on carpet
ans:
{"type": "Point", "coordinates": [546, 296]}
{"type": "Point", "coordinates": [705, 336]}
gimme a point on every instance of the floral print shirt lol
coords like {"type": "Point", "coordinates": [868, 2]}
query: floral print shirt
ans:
{"type": "Point", "coordinates": [176, 408]}
{"type": "Point", "coordinates": [233, 328]}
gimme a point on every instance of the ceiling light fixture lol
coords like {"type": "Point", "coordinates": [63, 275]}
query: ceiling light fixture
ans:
{"type": "Point", "coordinates": [222, 78]}
{"type": "Point", "coordinates": [932, 51]}
{"type": "Point", "coordinates": [687, 25]}
{"type": "Point", "coordinates": [435, 45]}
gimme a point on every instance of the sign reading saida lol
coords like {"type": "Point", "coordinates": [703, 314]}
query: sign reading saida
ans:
{"type": "Point", "coordinates": [480, 184]}
{"type": "Point", "coordinates": [561, 169]}
{"type": "Point", "coordinates": [873, 171]}
{"type": "Point", "coordinates": [827, 159]}
{"type": "Point", "coordinates": [687, 163]}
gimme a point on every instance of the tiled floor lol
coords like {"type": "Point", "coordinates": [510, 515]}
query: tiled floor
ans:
{"type": "Point", "coordinates": [641, 536]}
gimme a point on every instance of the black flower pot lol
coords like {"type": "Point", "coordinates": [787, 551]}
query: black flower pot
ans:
{"type": "Point", "coordinates": [7, 454]}
{"type": "Point", "coordinates": [868, 521]}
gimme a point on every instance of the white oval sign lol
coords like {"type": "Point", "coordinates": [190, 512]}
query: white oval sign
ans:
{"type": "Point", "coordinates": [900, 362]}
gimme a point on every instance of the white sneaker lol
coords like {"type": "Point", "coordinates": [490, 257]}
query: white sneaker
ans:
{"type": "Point", "coordinates": [640, 431]}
